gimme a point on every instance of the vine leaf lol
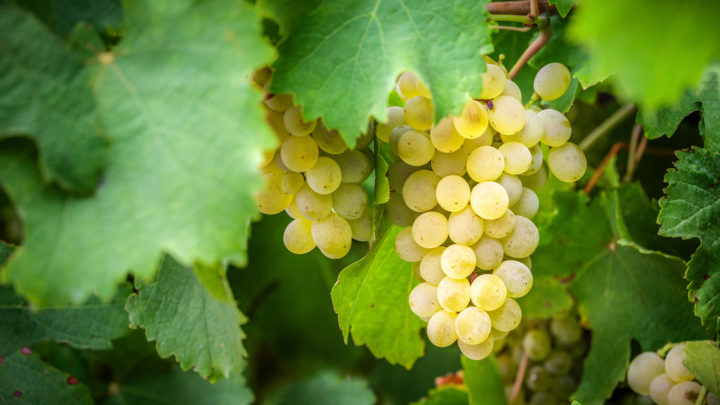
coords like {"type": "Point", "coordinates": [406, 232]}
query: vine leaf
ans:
{"type": "Point", "coordinates": [90, 326]}
{"type": "Point", "coordinates": [182, 171]}
{"type": "Point", "coordinates": [445, 395]}
{"type": "Point", "coordinates": [62, 16]}
{"type": "Point", "coordinates": [343, 58]}
{"type": "Point", "coordinates": [690, 210]}
{"type": "Point", "coordinates": [26, 379]}
{"type": "Point", "coordinates": [485, 385]}
{"type": "Point", "coordinates": [702, 359]}
{"type": "Point", "coordinates": [47, 97]}
{"type": "Point", "coordinates": [188, 322]}
{"type": "Point", "coordinates": [563, 6]}
{"type": "Point", "coordinates": [371, 294]}
{"type": "Point", "coordinates": [327, 389]}
{"type": "Point", "coordinates": [599, 26]}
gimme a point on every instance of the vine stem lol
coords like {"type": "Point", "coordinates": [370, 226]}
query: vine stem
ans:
{"type": "Point", "coordinates": [511, 18]}
{"type": "Point", "coordinates": [531, 50]}
{"type": "Point", "coordinates": [632, 159]}
{"type": "Point", "coordinates": [701, 396]}
{"type": "Point", "coordinates": [519, 378]}
{"type": "Point", "coordinates": [611, 122]}
{"type": "Point", "coordinates": [509, 28]}
{"type": "Point", "coordinates": [603, 165]}
{"type": "Point", "coordinates": [518, 7]}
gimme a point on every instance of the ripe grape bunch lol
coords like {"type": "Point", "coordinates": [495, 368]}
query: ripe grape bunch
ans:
{"type": "Point", "coordinates": [316, 179]}
{"type": "Point", "coordinates": [667, 381]}
{"type": "Point", "coordinates": [463, 188]}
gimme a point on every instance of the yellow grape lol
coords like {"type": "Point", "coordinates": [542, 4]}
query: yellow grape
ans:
{"type": "Point", "coordinates": [453, 295]}
{"type": "Point", "coordinates": [419, 113]}
{"type": "Point", "coordinates": [465, 227]}
{"type": "Point", "coordinates": [419, 190]}
{"type": "Point", "coordinates": [423, 300]}
{"type": "Point", "coordinates": [272, 199]}
{"type": "Point", "coordinates": [350, 201]}
{"type": "Point", "coordinates": [430, 268]}
{"type": "Point", "coordinates": [299, 153]}
{"type": "Point", "coordinates": [446, 164]}
{"type": "Point", "coordinates": [500, 227]}
{"type": "Point", "coordinates": [415, 148]}
{"type": "Point", "coordinates": [517, 157]}
{"type": "Point", "coordinates": [295, 123]}
{"type": "Point", "coordinates": [458, 261]}
{"type": "Point", "coordinates": [298, 236]}
{"type": "Point", "coordinates": [430, 229]}
{"type": "Point", "coordinates": [507, 317]}
{"type": "Point", "coordinates": [325, 176]}
{"type": "Point", "coordinates": [328, 141]}
{"type": "Point", "coordinates": [473, 325]}
{"type": "Point", "coordinates": [396, 117]}
{"type": "Point", "coordinates": [488, 253]}
{"type": "Point", "coordinates": [485, 163]}
{"type": "Point", "coordinates": [441, 328]}
{"type": "Point", "coordinates": [567, 162]}
{"type": "Point", "coordinates": [332, 235]}
{"type": "Point", "coordinates": [494, 82]}
{"type": "Point", "coordinates": [406, 247]}
{"type": "Point", "coordinates": [507, 115]}
{"type": "Point", "coordinates": [557, 127]}
{"type": "Point", "coordinates": [473, 121]}
{"type": "Point", "coordinates": [517, 278]}
{"type": "Point", "coordinates": [489, 200]}
{"type": "Point", "coordinates": [552, 81]}
{"type": "Point", "coordinates": [445, 137]}
{"type": "Point", "coordinates": [453, 193]}
{"type": "Point", "coordinates": [488, 292]}
{"type": "Point", "coordinates": [523, 240]}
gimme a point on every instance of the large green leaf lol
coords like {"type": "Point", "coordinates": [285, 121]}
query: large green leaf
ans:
{"type": "Point", "coordinates": [342, 59]}
{"type": "Point", "coordinates": [703, 361]}
{"type": "Point", "coordinates": [187, 135]}
{"type": "Point", "coordinates": [691, 209]}
{"type": "Point", "coordinates": [45, 94]}
{"type": "Point", "coordinates": [187, 321]}
{"type": "Point", "coordinates": [484, 382]}
{"type": "Point", "coordinates": [372, 294]}
{"type": "Point", "coordinates": [678, 41]}
{"type": "Point", "coordinates": [25, 379]}
{"type": "Point", "coordinates": [445, 395]}
{"type": "Point", "coordinates": [328, 389]}
{"type": "Point", "coordinates": [62, 15]}
{"type": "Point", "coordinates": [89, 326]}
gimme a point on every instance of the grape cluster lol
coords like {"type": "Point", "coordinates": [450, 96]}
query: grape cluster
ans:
{"type": "Point", "coordinates": [317, 180]}
{"type": "Point", "coordinates": [554, 348]}
{"type": "Point", "coordinates": [667, 381]}
{"type": "Point", "coordinates": [463, 188]}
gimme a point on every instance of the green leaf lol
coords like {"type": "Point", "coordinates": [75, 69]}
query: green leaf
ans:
{"type": "Point", "coordinates": [611, 32]}
{"type": "Point", "coordinates": [182, 171]}
{"type": "Point", "coordinates": [342, 60]}
{"type": "Point", "coordinates": [89, 326]}
{"type": "Point", "coordinates": [373, 293]}
{"type": "Point", "coordinates": [445, 395]}
{"type": "Point", "coordinates": [690, 210]}
{"type": "Point", "coordinates": [329, 389]}
{"type": "Point", "coordinates": [287, 13]}
{"type": "Point", "coordinates": [25, 379]}
{"type": "Point", "coordinates": [48, 98]}
{"type": "Point", "coordinates": [563, 6]}
{"type": "Point", "coordinates": [188, 322]}
{"type": "Point", "coordinates": [629, 293]}
{"type": "Point", "coordinates": [62, 15]}
{"type": "Point", "coordinates": [702, 359]}
{"type": "Point", "coordinates": [483, 381]}
{"type": "Point", "coordinates": [5, 252]}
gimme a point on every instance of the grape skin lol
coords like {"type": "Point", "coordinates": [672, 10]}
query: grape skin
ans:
{"type": "Point", "coordinates": [513, 186]}
{"type": "Point", "coordinates": [406, 247]}
{"type": "Point", "coordinates": [299, 153]}
{"type": "Point", "coordinates": [473, 121]}
{"type": "Point", "coordinates": [501, 227]}
{"type": "Point", "coordinates": [567, 162]}
{"type": "Point", "coordinates": [312, 205]}
{"type": "Point", "coordinates": [517, 157]}
{"type": "Point", "coordinates": [552, 81]}
{"type": "Point", "coordinates": [472, 326]}
{"type": "Point", "coordinates": [517, 278]}
{"type": "Point", "coordinates": [419, 190]}
{"type": "Point", "coordinates": [430, 269]}
{"type": "Point", "coordinates": [325, 176]}
{"type": "Point", "coordinates": [350, 201]}
{"type": "Point", "coordinates": [527, 205]}
{"type": "Point", "coordinates": [465, 227]}
{"type": "Point", "coordinates": [507, 317]}
{"type": "Point", "coordinates": [332, 235]}
{"type": "Point", "coordinates": [524, 239]}
{"type": "Point", "coordinates": [453, 294]}
{"type": "Point", "coordinates": [659, 388]}
{"type": "Point", "coordinates": [494, 82]}
{"type": "Point", "coordinates": [429, 230]}
{"type": "Point", "coordinates": [684, 393]}
{"type": "Point", "coordinates": [488, 292]}
{"type": "Point", "coordinates": [452, 193]}
{"type": "Point", "coordinates": [485, 163]}
{"type": "Point", "coordinates": [419, 113]}
{"type": "Point", "coordinates": [445, 137]}
{"type": "Point", "coordinates": [557, 127]}
{"type": "Point", "coordinates": [396, 117]}
{"type": "Point", "coordinates": [489, 200]}
{"type": "Point", "coordinates": [488, 253]}
{"type": "Point", "coordinates": [458, 261]}
{"type": "Point", "coordinates": [536, 344]}
{"type": "Point", "coordinates": [295, 123]}
{"type": "Point", "coordinates": [423, 300]}
{"type": "Point", "coordinates": [415, 148]}
{"type": "Point", "coordinates": [478, 351]}
{"type": "Point", "coordinates": [441, 328]}
{"type": "Point", "coordinates": [298, 236]}
{"type": "Point", "coordinates": [507, 115]}
{"type": "Point", "coordinates": [674, 366]}
{"type": "Point", "coordinates": [642, 370]}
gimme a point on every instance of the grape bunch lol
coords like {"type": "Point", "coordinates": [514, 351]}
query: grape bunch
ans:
{"type": "Point", "coordinates": [463, 190]}
{"type": "Point", "coordinates": [667, 381]}
{"type": "Point", "coordinates": [554, 349]}
{"type": "Point", "coordinates": [316, 179]}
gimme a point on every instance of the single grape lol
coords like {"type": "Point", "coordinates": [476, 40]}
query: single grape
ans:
{"type": "Point", "coordinates": [537, 344]}
{"type": "Point", "coordinates": [396, 117]}
{"type": "Point", "coordinates": [531, 133]}
{"type": "Point", "coordinates": [512, 90]}
{"type": "Point", "coordinates": [642, 370]}
{"type": "Point", "coordinates": [507, 367]}
{"type": "Point", "coordinates": [659, 388]}
{"type": "Point", "coordinates": [453, 193]}
{"type": "Point", "coordinates": [419, 190]}
{"type": "Point", "coordinates": [494, 82]}
{"type": "Point", "coordinates": [295, 123]}
{"type": "Point", "coordinates": [332, 235]}
{"type": "Point", "coordinates": [517, 278]}
{"type": "Point", "coordinates": [488, 292]}
{"type": "Point", "coordinates": [328, 141]}
{"type": "Point", "coordinates": [355, 166]}
{"type": "Point", "coordinates": [325, 176]}
{"type": "Point", "coordinates": [517, 157]}
{"type": "Point", "coordinates": [543, 398]}
{"type": "Point", "coordinates": [415, 148]}
{"type": "Point", "coordinates": [489, 200]}
{"type": "Point", "coordinates": [458, 261]}
{"type": "Point", "coordinates": [419, 113]}
{"type": "Point", "coordinates": [406, 248]}
{"type": "Point", "coordinates": [445, 137]}
{"type": "Point", "coordinates": [395, 135]}
{"type": "Point", "coordinates": [441, 328]}
{"type": "Point", "coordinates": [513, 187]}
{"type": "Point", "coordinates": [362, 228]}
{"type": "Point", "coordinates": [272, 199]}
{"type": "Point", "coordinates": [507, 115]}
{"type": "Point", "coordinates": [558, 362]}
{"type": "Point", "coordinates": [312, 205]}
{"type": "Point", "coordinates": [472, 326]}
{"type": "Point", "coordinates": [298, 236]}
{"type": "Point", "coordinates": [538, 379]}
{"type": "Point", "coordinates": [488, 253]}
{"type": "Point", "coordinates": [523, 240]}
{"type": "Point", "coordinates": [453, 294]}
{"type": "Point", "coordinates": [485, 163]}
{"type": "Point", "coordinates": [279, 102]}
{"type": "Point", "coordinates": [478, 351]}
{"type": "Point", "coordinates": [566, 330]}
{"type": "Point", "coordinates": [567, 162]}
{"type": "Point", "coordinates": [684, 393]}
{"type": "Point", "coordinates": [299, 153]}
{"type": "Point", "coordinates": [537, 180]}
{"type": "Point", "coordinates": [552, 81]}
{"type": "Point", "coordinates": [537, 160]}
{"type": "Point", "coordinates": [557, 127]}
{"type": "Point", "coordinates": [430, 229]}
{"type": "Point", "coordinates": [527, 205]}
{"type": "Point", "coordinates": [423, 300]}
{"type": "Point", "coordinates": [447, 164]}
{"type": "Point", "coordinates": [293, 211]}
{"type": "Point", "coordinates": [500, 227]}
{"type": "Point", "coordinates": [473, 121]}
{"type": "Point", "coordinates": [397, 212]}
{"type": "Point", "coordinates": [292, 182]}
{"type": "Point", "coordinates": [674, 366]}
{"type": "Point", "coordinates": [350, 201]}
{"type": "Point", "coordinates": [430, 269]}
{"type": "Point", "coordinates": [507, 317]}
{"type": "Point", "coordinates": [486, 139]}
{"type": "Point", "coordinates": [465, 227]}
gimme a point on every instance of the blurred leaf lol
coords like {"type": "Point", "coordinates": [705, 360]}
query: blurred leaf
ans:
{"type": "Point", "coordinates": [677, 44]}
{"type": "Point", "coordinates": [287, 13]}
{"type": "Point", "coordinates": [188, 322]}
{"type": "Point", "coordinates": [483, 381]}
{"type": "Point", "coordinates": [329, 389]}
{"type": "Point", "coordinates": [372, 294]}
{"type": "Point", "coordinates": [89, 326]}
{"type": "Point", "coordinates": [5, 252]}
{"type": "Point", "coordinates": [702, 359]}
{"type": "Point", "coordinates": [445, 395]}
{"type": "Point", "coordinates": [563, 6]}
{"type": "Point", "coordinates": [61, 16]}
{"type": "Point", "coordinates": [343, 59]}
{"type": "Point", "coordinates": [163, 190]}
{"type": "Point", "coordinates": [25, 379]}
{"type": "Point", "coordinates": [47, 97]}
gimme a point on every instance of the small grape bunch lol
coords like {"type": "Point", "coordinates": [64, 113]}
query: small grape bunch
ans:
{"type": "Point", "coordinates": [316, 179]}
{"type": "Point", "coordinates": [667, 381]}
{"type": "Point", "coordinates": [464, 190]}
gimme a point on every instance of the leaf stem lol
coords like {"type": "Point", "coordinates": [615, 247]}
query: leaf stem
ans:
{"type": "Point", "coordinates": [701, 395]}
{"type": "Point", "coordinates": [535, 97]}
{"type": "Point", "coordinates": [518, 7]}
{"type": "Point", "coordinates": [531, 50]}
{"type": "Point", "coordinates": [632, 159]}
{"type": "Point", "coordinates": [606, 126]}
{"type": "Point", "coordinates": [519, 378]}
{"type": "Point", "coordinates": [603, 165]}
{"type": "Point", "coordinates": [511, 18]}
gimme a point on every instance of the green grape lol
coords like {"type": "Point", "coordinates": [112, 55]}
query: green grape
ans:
{"type": "Point", "coordinates": [430, 268]}
{"type": "Point", "coordinates": [557, 127]}
{"type": "Point", "coordinates": [465, 227]}
{"type": "Point", "coordinates": [453, 294]}
{"type": "Point", "coordinates": [350, 201]}
{"type": "Point", "coordinates": [458, 261]}
{"type": "Point", "coordinates": [430, 229]}
{"type": "Point", "coordinates": [472, 326]}
{"type": "Point", "coordinates": [292, 182]}
{"type": "Point", "coordinates": [566, 330]}
{"type": "Point", "coordinates": [507, 367]}
{"type": "Point", "coordinates": [419, 190]}
{"type": "Point", "coordinates": [538, 379]}
{"type": "Point", "coordinates": [396, 117]}
{"type": "Point", "coordinates": [537, 160]}
{"type": "Point", "coordinates": [523, 240]}
{"type": "Point", "coordinates": [507, 115]}
{"type": "Point", "coordinates": [643, 369]}
{"type": "Point", "coordinates": [272, 199]}
{"type": "Point", "coordinates": [325, 176]}
{"type": "Point", "coordinates": [558, 362]}
{"type": "Point", "coordinates": [473, 121]}
{"type": "Point", "coordinates": [298, 236]}
{"type": "Point", "coordinates": [489, 200]}
{"type": "Point", "coordinates": [445, 137]}
{"type": "Point", "coordinates": [512, 90]}
{"type": "Point", "coordinates": [447, 164]}
{"type": "Point", "coordinates": [488, 253]}
{"type": "Point", "coordinates": [684, 393]}
{"type": "Point", "coordinates": [517, 157]}
{"type": "Point", "coordinates": [355, 166]}
{"type": "Point", "coordinates": [674, 366]}
{"type": "Point", "coordinates": [552, 81]}
{"type": "Point", "coordinates": [332, 235]}
{"type": "Point", "coordinates": [328, 141]}
{"type": "Point", "coordinates": [397, 173]}
{"type": "Point", "coordinates": [543, 398]}
{"type": "Point", "coordinates": [415, 148]}
{"type": "Point", "coordinates": [312, 205]}
{"type": "Point", "coordinates": [500, 227]}
{"type": "Point", "coordinates": [659, 388]}
{"type": "Point", "coordinates": [362, 228]}
{"type": "Point", "coordinates": [419, 113]}
{"type": "Point", "coordinates": [452, 193]}
{"type": "Point", "coordinates": [513, 187]}
{"type": "Point", "coordinates": [423, 300]}
{"type": "Point", "coordinates": [279, 102]}
{"type": "Point", "coordinates": [537, 344]}
{"type": "Point", "coordinates": [488, 292]}
{"type": "Point", "coordinates": [441, 328]}
{"type": "Point", "coordinates": [485, 163]}
{"type": "Point", "coordinates": [478, 351]}
{"type": "Point", "coordinates": [407, 84]}
{"type": "Point", "coordinates": [295, 123]}
{"type": "Point", "coordinates": [494, 82]}
{"type": "Point", "coordinates": [397, 212]}
{"type": "Point", "coordinates": [527, 205]}
{"type": "Point", "coordinates": [567, 162]}
{"type": "Point", "coordinates": [299, 153]}
{"type": "Point", "coordinates": [517, 278]}
{"type": "Point", "coordinates": [564, 386]}
{"type": "Point", "coordinates": [537, 180]}
{"type": "Point", "coordinates": [406, 248]}
{"type": "Point", "coordinates": [507, 317]}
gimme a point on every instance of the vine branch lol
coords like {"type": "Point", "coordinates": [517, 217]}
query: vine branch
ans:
{"type": "Point", "coordinates": [519, 378]}
{"type": "Point", "coordinates": [531, 50]}
{"type": "Point", "coordinates": [701, 395]}
{"type": "Point", "coordinates": [519, 7]}
{"type": "Point", "coordinates": [603, 165]}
